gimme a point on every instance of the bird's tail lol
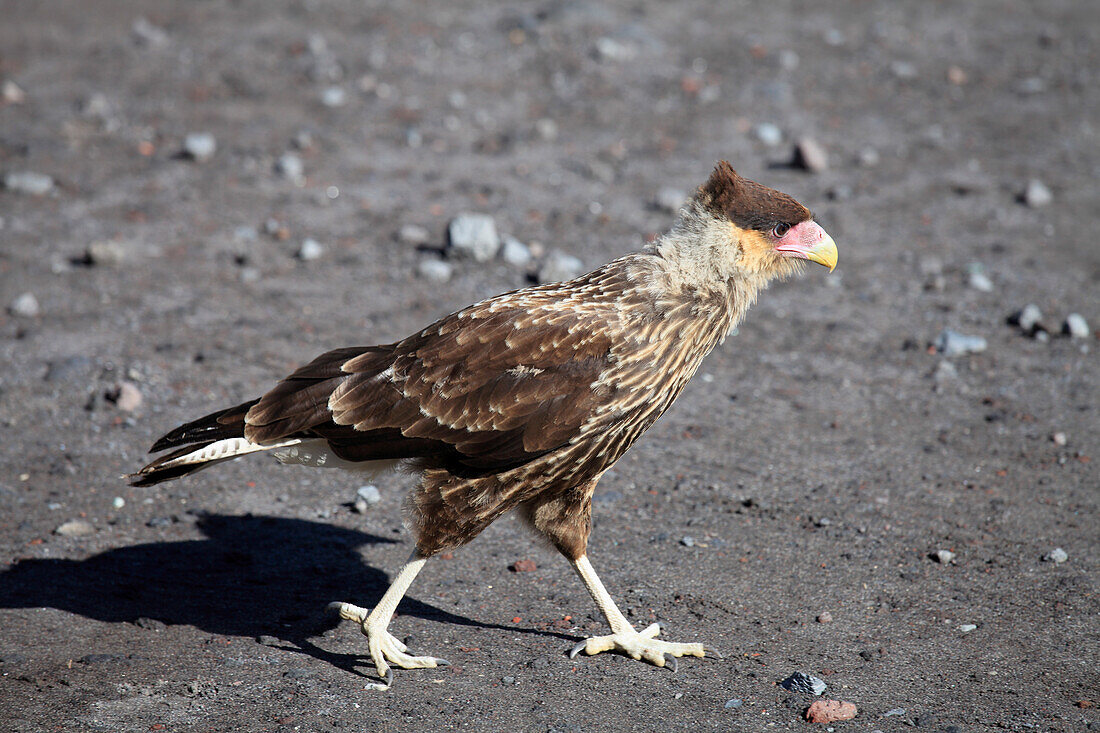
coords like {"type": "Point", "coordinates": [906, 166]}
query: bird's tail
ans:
{"type": "Point", "coordinates": [212, 439]}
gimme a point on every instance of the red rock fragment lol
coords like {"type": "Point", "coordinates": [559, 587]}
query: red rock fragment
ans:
{"type": "Point", "coordinates": [523, 566]}
{"type": "Point", "coordinates": [830, 711]}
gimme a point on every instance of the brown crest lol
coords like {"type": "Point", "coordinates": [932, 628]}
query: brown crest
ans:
{"type": "Point", "coordinates": [746, 203]}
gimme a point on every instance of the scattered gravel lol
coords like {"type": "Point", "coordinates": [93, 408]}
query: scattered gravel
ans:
{"type": "Point", "coordinates": [943, 557]}
{"type": "Point", "coordinates": [804, 683]}
{"type": "Point", "coordinates": [977, 279]}
{"type": "Point", "coordinates": [1036, 194]}
{"type": "Point", "coordinates": [515, 252]}
{"type": "Point", "coordinates": [29, 182]}
{"type": "Point", "coordinates": [290, 167]}
{"type": "Point", "coordinates": [1028, 318]}
{"type": "Point", "coordinates": [809, 155]}
{"type": "Point", "coordinates": [769, 134]}
{"type": "Point", "coordinates": [310, 250]}
{"type": "Point", "coordinates": [952, 343]}
{"type": "Point", "coordinates": [199, 146]}
{"type": "Point", "coordinates": [25, 305]}
{"type": "Point", "coordinates": [334, 97]}
{"type": "Point", "coordinates": [1076, 326]}
{"type": "Point", "coordinates": [435, 270]}
{"type": "Point", "coordinates": [559, 266]}
{"type": "Point", "coordinates": [414, 234]}
{"type": "Point", "coordinates": [75, 528]}
{"type": "Point", "coordinates": [1056, 556]}
{"type": "Point", "coordinates": [473, 236]}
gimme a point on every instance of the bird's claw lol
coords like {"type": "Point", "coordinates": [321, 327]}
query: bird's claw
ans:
{"type": "Point", "coordinates": [578, 648]}
{"type": "Point", "coordinates": [711, 651]}
{"type": "Point", "coordinates": [670, 661]}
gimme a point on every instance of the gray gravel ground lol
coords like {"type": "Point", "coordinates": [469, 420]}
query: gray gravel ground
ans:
{"type": "Point", "coordinates": [821, 460]}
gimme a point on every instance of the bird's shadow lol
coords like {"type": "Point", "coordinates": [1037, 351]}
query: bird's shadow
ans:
{"type": "Point", "coordinates": [250, 576]}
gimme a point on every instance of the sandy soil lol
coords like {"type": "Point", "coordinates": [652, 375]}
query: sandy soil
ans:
{"type": "Point", "coordinates": [826, 451]}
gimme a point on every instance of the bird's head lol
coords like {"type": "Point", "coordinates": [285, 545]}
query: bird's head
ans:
{"type": "Point", "coordinates": [734, 228]}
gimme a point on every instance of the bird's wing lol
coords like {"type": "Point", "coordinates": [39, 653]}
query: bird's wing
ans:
{"type": "Point", "coordinates": [483, 390]}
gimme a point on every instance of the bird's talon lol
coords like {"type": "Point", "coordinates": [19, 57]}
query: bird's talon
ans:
{"type": "Point", "coordinates": [442, 663]}
{"type": "Point", "coordinates": [578, 648]}
{"type": "Point", "coordinates": [713, 652]}
{"type": "Point", "coordinates": [670, 661]}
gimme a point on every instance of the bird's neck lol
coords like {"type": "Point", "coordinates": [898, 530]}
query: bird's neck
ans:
{"type": "Point", "coordinates": [693, 267]}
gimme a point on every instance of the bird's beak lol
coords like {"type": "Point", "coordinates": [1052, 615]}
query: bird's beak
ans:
{"type": "Point", "coordinates": [808, 241]}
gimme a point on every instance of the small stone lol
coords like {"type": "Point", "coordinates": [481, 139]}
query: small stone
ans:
{"type": "Point", "coordinates": [125, 395]}
{"type": "Point", "coordinates": [769, 134]}
{"type": "Point", "coordinates": [473, 236]}
{"type": "Point", "coordinates": [669, 200]}
{"type": "Point", "coordinates": [804, 683]}
{"type": "Point", "coordinates": [1059, 439]}
{"type": "Point", "coordinates": [523, 566]}
{"type": "Point", "coordinates": [75, 528]}
{"type": "Point", "coordinates": [25, 305]}
{"type": "Point", "coordinates": [1076, 326]}
{"type": "Point", "coordinates": [508, 680]}
{"type": "Point", "coordinates": [414, 234]}
{"type": "Point", "coordinates": [118, 502]}
{"type": "Point", "coordinates": [1056, 556]}
{"type": "Point", "coordinates": [957, 75]}
{"type": "Point", "coordinates": [977, 279]}
{"type": "Point", "coordinates": [952, 343]}
{"type": "Point", "coordinates": [1028, 318]}
{"type": "Point", "coordinates": [310, 250]}
{"type": "Point", "coordinates": [687, 541]}
{"type": "Point", "coordinates": [435, 270]}
{"type": "Point", "coordinates": [290, 167]}
{"type": "Point", "coordinates": [12, 94]}
{"type": "Point", "coordinates": [824, 617]}
{"type": "Point", "coordinates": [613, 49]}
{"type": "Point", "coordinates": [893, 712]}
{"type": "Point", "coordinates": [904, 69]}
{"type": "Point", "coordinates": [199, 146]}
{"type": "Point", "coordinates": [559, 266]}
{"type": "Point", "coordinates": [29, 182]}
{"type": "Point", "coordinates": [943, 557]}
{"type": "Point", "coordinates": [108, 252]}
{"type": "Point", "coordinates": [967, 628]}
{"type": "Point", "coordinates": [547, 129]}
{"type": "Point", "coordinates": [810, 156]}
{"type": "Point", "coordinates": [830, 711]}
{"type": "Point", "coordinates": [515, 252]}
{"type": "Point", "coordinates": [733, 704]}
{"type": "Point", "coordinates": [1036, 194]}
{"type": "Point", "coordinates": [147, 34]}
{"type": "Point", "coordinates": [334, 97]}
{"type": "Point", "coordinates": [369, 493]}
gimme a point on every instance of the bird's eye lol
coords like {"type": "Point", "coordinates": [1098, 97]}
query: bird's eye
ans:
{"type": "Point", "coordinates": [780, 230]}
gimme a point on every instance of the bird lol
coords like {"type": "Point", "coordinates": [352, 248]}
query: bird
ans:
{"type": "Point", "coordinates": [521, 402]}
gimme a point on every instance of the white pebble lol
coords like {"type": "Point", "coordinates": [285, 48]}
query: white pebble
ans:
{"type": "Point", "coordinates": [967, 628]}
{"type": "Point", "coordinates": [769, 134]}
{"type": "Point", "coordinates": [435, 270]}
{"type": "Point", "coordinates": [75, 528]}
{"type": "Point", "coordinates": [200, 146]}
{"type": "Point", "coordinates": [474, 236]}
{"type": "Point", "coordinates": [290, 167]}
{"type": "Point", "coordinates": [1028, 317]}
{"type": "Point", "coordinates": [515, 252]}
{"type": "Point", "coordinates": [369, 493]}
{"type": "Point", "coordinates": [29, 182]}
{"type": "Point", "coordinates": [310, 250]}
{"type": "Point", "coordinates": [1036, 194]}
{"type": "Point", "coordinates": [414, 234]}
{"type": "Point", "coordinates": [977, 279]}
{"type": "Point", "coordinates": [1056, 556]}
{"type": "Point", "coordinates": [1076, 326]}
{"type": "Point", "coordinates": [559, 266]}
{"type": "Point", "coordinates": [118, 502]}
{"type": "Point", "coordinates": [334, 97]}
{"type": "Point", "coordinates": [810, 155]}
{"type": "Point", "coordinates": [25, 305]}
{"type": "Point", "coordinates": [943, 557]}
{"type": "Point", "coordinates": [952, 343]}
{"type": "Point", "coordinates": [12, 94]}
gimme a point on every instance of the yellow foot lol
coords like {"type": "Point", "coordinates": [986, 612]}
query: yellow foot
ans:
{"type": "Point", "coordinates": [642, 645]}
{"type": "Point", "coordinates": [384, 648]}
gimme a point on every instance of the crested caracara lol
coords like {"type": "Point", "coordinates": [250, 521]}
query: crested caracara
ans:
{"type": "Point", "coordinates": [522, 401]}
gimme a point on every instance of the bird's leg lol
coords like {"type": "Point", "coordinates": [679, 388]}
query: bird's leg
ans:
{"type": "Point", "coordinates": [623, 637]}
{"type": "Point", "coordinates": [384, 648]}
